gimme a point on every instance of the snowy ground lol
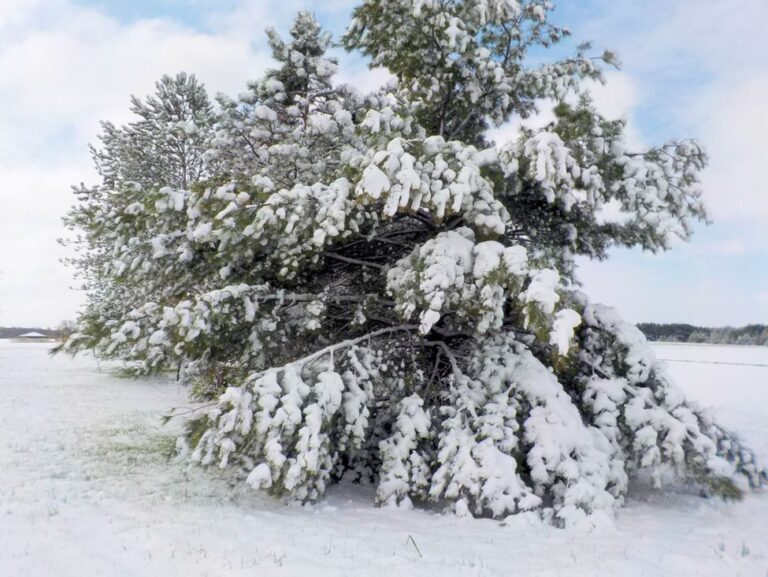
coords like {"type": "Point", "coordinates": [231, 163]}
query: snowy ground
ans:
{"type": "Point", "coordinates": [86, 489]}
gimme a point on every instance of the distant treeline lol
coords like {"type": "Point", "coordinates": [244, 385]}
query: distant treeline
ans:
{"type": "Point", "coordinates": [13, 332]}
{"type": "Point", "coordinates": [672, 332]}
{"type": "Point", "coordinates": [682, 333]}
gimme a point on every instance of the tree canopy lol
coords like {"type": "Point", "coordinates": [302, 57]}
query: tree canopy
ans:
{"type": "Point", "coordinates": [367, 287]}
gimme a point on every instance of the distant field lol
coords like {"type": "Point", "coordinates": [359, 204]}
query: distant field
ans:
{"type": "Point", "coordinates": [86, 489]}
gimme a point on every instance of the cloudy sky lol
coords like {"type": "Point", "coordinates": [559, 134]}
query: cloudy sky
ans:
{"type": "Point", "coordinates": [690, 68]}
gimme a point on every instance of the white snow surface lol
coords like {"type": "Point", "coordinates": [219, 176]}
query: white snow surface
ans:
{"type": "Point", "coordinates": [86, 488]}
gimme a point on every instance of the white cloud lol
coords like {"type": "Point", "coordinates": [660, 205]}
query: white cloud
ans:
{"type": "Point", "coordinates": [511, 130]}
{"type": "Point", "coordinates": [697, 65]}
{"type": "Point", "coordinates": [722, 36]}
{"type": "Point", "coordinates": [84, 68]}
{"type": "Point", "coordinates": [248, 18]}
{"type": "Point", "coordinates": [731, 247]}
{"type": "Point", "coordinates": [694, 68]}
{"type": "Point", "coordinates": [721, 246]}
{"type": "Point", "coordinates": [17, 13]}
{"type": "Point", "coordinates": [619, 97]}
{"type": "Point", "coordinates": [676, 287]}
{"type": "Point", "coordinates": [736, 136]}
{"type": "Point", "coordinates": [33, 281]}
{"type": "Point", "coordinates": [702, 72]}
{"type": "Point", "coordinates": [62, 69]}
{"type": "Point", "coordinates": [362, 78]}
{"type": "Point", "coordinates": [616, 98]}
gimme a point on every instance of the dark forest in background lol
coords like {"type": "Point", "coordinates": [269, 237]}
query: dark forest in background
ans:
{"type": "Point", "coordinates": [670, 332]}
{"type": "Point", "coordinates": [13, 332]}
{"type": "Point", "coordinates": [684, 333]}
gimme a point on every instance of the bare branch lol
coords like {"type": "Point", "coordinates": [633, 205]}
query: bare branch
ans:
{"type": "Point", "coordinates": [350, 260]}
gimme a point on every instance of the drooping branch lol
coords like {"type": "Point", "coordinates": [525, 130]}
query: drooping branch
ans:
{"type": "Point", "coordinates": [331, 349]}
{"type": "Point", "coordinates": [350, 260]}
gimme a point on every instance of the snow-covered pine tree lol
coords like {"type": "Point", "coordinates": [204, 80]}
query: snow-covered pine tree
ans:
{"type": "Point", "coordinates": [388, 296]}
{"type": "Point", "coordinates": [166, 146]}
{"type": "Point", "coordinates": [131, 224]}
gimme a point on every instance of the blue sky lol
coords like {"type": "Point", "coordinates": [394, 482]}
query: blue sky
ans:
{"type": "Point", "coordinates": [691, 68]}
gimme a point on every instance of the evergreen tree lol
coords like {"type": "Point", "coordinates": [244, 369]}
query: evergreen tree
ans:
{"type": "Point", "coordinates": [373, 290]}
{"type": "Point", "coordinates": [132, 223]}
{"type": "Point", "coordinates": [167, 145]}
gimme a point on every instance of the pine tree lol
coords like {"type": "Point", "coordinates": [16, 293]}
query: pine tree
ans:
{"type": "Point", "coordinates": [133, 223]}
{"type": "Point", "coordinates": [167, 145]}
{"type": "Point", "coordinates": [373, 290]}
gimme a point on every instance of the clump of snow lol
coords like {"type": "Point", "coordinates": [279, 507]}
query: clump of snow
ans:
{"type": "Point", "coordinates": [541, 293]}
{"type": "Point", "coordinates": [452, 272]}
{"type": "Point", "coordinates": [566, 321]}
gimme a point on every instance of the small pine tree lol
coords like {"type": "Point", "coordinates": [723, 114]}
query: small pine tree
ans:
{"type": "Point", "coordinates": [134, 219]}
{"type": "Point", "coordinates": [369, 288]}
{"type": "Point", "coordinates": [166, 146]}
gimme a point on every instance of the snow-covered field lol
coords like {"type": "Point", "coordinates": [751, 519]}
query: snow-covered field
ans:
{"type": "Point", "coordinates": [87, 489]}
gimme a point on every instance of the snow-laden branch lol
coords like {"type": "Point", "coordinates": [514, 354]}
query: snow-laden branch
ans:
{"type": "Point", "coordinates": [331, 349]}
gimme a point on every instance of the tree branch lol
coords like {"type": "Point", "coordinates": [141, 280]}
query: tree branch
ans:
{"type": "Point", "coordinates": [350, 260]}
{"type": "Point", "coordinates": [329, 350]}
